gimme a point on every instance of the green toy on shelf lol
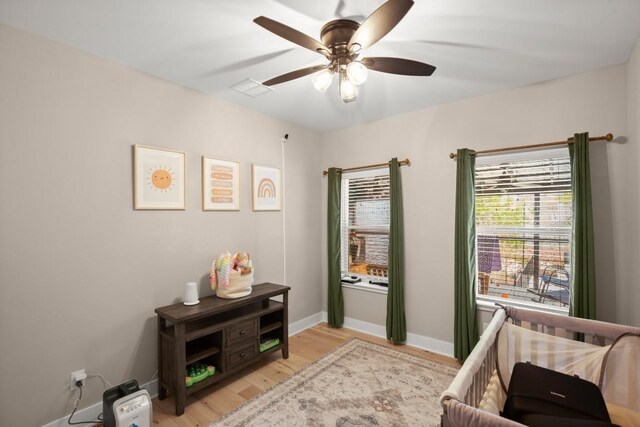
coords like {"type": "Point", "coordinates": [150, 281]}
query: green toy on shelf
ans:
{"type": "Point", "coordinates": [197, 372]}
{"type": "Point", "coordinates": [267, 343]}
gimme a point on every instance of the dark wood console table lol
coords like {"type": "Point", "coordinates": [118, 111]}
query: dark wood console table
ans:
{"type": "Point", "coordinates": [224, 333]}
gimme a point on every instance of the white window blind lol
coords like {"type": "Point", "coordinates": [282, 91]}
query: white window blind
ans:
{"type": "Point", "coordinates": [365, 223]}
{"type": "Point", "coordinates": [523, 226]}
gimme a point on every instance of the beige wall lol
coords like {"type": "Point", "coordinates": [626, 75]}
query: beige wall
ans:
{"type": "Point", "coordinates": [627, 217]}
{"type": "Point", "coordinates": [80, 271]}
{"type": "Point", "coordinates": [594, 102]}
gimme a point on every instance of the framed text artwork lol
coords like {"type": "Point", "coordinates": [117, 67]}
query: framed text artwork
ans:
{"type": "Point", "coordinates": [220, 185]}
{"type": "Point", "coordinates": [159, 178]}
{"type": "Point", "coordinates": [266, 188]}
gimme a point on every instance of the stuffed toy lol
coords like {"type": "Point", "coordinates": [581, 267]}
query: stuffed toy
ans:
{"type": "Point", "coordinates": [243, 263]}
{"type": "Point", "coordinates": [225, 264]}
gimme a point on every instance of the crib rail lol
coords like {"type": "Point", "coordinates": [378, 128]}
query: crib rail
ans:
{"type": "Point", "coordinates": [481, 378]}
{"type": "Point", "coordinates": [473, 378]}
{"type": "Point", "coordinates": [593, 331]}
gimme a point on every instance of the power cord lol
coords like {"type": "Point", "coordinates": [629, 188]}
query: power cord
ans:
{"type": "Point", "coordinates": [104, 380]}
{"type": "Point", "coordinates": [79, 385]}
{"type": "Point", "coordinates": [75, 408]}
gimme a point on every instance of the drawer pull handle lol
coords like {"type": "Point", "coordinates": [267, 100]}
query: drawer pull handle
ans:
{"type": "Point", "coordinates": [243, 354]}
{"type": "Point", "coordinates": [243, 332]}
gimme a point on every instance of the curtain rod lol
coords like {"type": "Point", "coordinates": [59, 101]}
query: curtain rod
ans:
{"type": "Point", "coordinates": [404, 162]}
{"type": "Point", "coordinates": [608, 137]}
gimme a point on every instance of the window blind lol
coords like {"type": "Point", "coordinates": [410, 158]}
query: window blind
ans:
{"type": "Point", "coordinates": [523, 226]}
{"type": "Point", "coordinates": [365, 223]}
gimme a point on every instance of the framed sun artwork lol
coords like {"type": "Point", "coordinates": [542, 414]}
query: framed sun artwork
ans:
{"type": "Point", "coordinates": [266, 188]}
{"type": "Point", "coordinates": [159, 177]}
{"type": "Point", "coordinates": [220, 185]}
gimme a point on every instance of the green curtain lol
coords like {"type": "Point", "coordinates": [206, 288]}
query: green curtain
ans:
{"type": "Point", "coordinates": [396, 322]}
{"type": "Point", "coordinates": [465, 327]}
{"type": "Point", "coordinates": [583, 275]}
{"type": "Point", "coordinates": [335, 302]}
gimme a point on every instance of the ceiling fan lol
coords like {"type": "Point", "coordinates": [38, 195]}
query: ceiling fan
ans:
{"type": "Point", "coordinates": [343, 40]}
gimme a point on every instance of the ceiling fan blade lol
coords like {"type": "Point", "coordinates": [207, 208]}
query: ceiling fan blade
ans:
{"type": "Point", "coordinates": [380, 22]}
{"type": "Point", "coordinates": [292, 75]}
{"type": "Point", "coordinates": [292, 35]}
{"type": "Point", "coordinates": [406, 67]}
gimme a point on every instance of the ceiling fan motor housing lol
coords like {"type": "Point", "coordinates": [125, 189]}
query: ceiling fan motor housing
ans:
{"type": "Point", "coordinates": [336, 35]}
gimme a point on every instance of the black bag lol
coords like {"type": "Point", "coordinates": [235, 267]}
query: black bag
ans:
{"type": "Point", "coordinates": [535, 391]}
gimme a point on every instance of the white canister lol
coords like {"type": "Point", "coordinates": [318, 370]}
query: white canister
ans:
{"type": "Point", "coordinates": [191, 294]}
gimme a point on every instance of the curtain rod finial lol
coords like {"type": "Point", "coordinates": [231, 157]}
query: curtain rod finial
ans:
{"type": "Point", "coordinates": [609, 137]}
{"type": "Point", "coordinates": [452, 155]}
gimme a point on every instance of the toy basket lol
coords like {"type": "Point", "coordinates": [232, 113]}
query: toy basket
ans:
{"type": "Point", "coordinates": [239, 285]}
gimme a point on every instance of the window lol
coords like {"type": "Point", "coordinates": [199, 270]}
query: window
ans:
{"type": "Point", "coordinates": [365, 227]}
{"type": "Point", "coordinates": [523, 227]}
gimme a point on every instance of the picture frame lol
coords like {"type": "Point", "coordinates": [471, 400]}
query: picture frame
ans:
{"type": "Point", "coordinates": [220, 184]}
{"type": "Point", "coordinates": [266, 188]}
{"type": "Point", "coordinates": [159, 178]}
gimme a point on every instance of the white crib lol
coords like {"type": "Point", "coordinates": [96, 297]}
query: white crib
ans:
{"type": "Point", "coordinates": [608, 355]}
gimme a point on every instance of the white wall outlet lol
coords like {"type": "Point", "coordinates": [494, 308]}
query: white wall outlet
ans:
{"type": "Point", "coordinates": [77, 376]}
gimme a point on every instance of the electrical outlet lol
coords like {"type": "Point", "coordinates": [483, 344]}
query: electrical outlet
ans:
{"type": "Point", "coordinates": [77, 376]}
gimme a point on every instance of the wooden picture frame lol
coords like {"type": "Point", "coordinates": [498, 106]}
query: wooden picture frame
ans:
{"type": "Point", "coordinates": [159, 178]}
{"type": "Point", "coordinates": [220, 184]}
{"type": "Point", "coordinates": [266, 188]}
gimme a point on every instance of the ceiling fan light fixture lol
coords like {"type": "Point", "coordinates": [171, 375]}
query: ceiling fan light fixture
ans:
{"type": "Point", "coordinates": [357, 72]}
{"type": "Point", "coordinates": [348, 90]}
{"type": "Point", "coordinates": [342, 42]}
{"type": "Point", "coordinates": [322, 80]}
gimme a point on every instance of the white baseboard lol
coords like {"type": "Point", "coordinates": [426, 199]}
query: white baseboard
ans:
{"type": "Point", "coordinates": [91, 412]}
{"type": "Point", "coordinates": [414, 340]}
{"type": "Point", "coordinates": [306, 323]}
{"type": "Point", "coordinates": [425, 343]}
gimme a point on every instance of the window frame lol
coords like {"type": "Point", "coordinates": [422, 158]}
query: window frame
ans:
{"type": "Point", "coordinates": [489, 303]}
{"type": "Point", "coordinates": [363, 285]}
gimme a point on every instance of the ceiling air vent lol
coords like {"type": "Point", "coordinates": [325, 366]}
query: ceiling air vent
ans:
{"type": "Point", "coordinates": [251, 88]}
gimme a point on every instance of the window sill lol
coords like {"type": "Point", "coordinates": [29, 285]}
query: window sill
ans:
{"type": "Point", "coordinates": [490, 305]}
{"type": "Point", "coordinates": [376, 289]}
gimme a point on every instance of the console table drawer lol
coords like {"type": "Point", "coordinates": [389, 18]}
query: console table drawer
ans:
{"type": "Point", "coordinates": [242, 331]}
{"type": "Point", "coordinates": [242, 355]}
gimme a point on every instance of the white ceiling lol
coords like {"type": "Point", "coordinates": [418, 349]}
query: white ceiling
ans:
{"type": "Point", "coordinates": [478, 46]}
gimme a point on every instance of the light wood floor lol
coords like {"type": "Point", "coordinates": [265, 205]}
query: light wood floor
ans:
{"type": "Point", "coordinates": [304, 348]}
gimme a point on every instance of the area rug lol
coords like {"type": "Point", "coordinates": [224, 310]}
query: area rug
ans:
{"type": "Point", "coordinates": [357, 384]}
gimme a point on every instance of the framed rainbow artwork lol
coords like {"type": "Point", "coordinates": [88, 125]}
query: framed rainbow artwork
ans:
{"type": "Point", "coordinates": [220, 185]}
{"type": "Point", "coordinates": [266, 188]}
{"type": "Point", "coordinates": [159, 177]}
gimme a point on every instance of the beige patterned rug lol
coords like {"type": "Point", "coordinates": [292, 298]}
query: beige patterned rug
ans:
{"type": "Point", "coordinates": [357, 384]}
